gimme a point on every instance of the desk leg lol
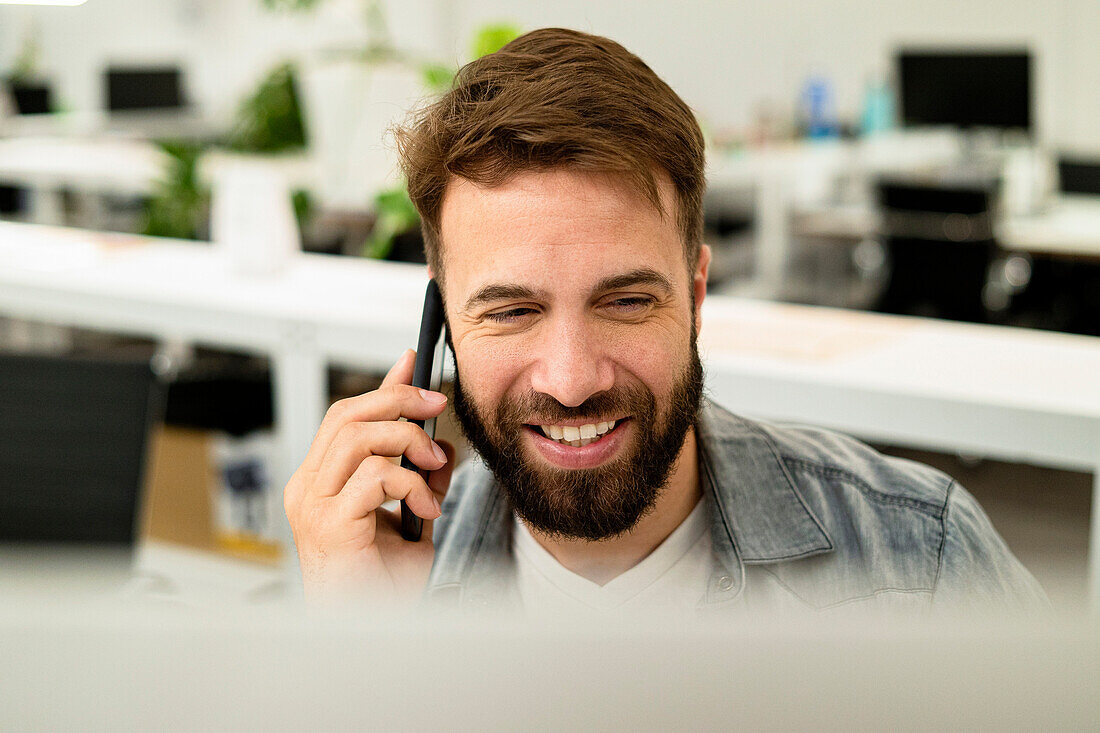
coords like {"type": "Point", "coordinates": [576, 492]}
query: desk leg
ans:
{"type": "Point", "coordinates": [46, 205]}
{"type": "Point", "coordinates": [300, 386]}
{"type": "Point", "coordinates": [772, 233]}
{"type": "Point", "coordinates": [1094, 548]}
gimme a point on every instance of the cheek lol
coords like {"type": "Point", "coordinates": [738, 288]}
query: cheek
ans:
{"type": "Point", "coordinates": [653, 363]}
{"type": "Point", "coordinates": [488, 371]}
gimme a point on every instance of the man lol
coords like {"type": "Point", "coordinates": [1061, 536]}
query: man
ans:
{"type": "Point", "coordinates": [560, 184]}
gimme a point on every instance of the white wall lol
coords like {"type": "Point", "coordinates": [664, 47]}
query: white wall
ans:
{"type": "Point", "coordinates": [224, 46]}
{"type": "Point", "coordinates": [725, 58]}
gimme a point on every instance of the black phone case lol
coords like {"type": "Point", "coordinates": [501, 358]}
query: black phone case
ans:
{"type": "Point", "coordinates": [431, 330]}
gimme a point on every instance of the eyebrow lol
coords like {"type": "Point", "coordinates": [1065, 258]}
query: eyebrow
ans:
{"type": "Point", "coordinates": [508, 291]}
{"type": "Point", "coordinates": [641, 276]}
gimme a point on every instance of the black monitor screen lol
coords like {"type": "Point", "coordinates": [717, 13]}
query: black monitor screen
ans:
{"type": "Point", "coordinates": [966, 88]}
{"type": "Point", "coordinates": [31, 99]}
{"type": "Point", "coordinates": [73, 440]}
{"type": "Point", "coordinates": [144, 88]}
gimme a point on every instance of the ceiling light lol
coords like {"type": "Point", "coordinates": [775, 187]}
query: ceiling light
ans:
{"type": "Point", "coordinates": [68, 3]}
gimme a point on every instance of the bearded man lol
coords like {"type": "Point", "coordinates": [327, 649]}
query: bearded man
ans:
{"type": "Point", "coordinates": [560, 186]}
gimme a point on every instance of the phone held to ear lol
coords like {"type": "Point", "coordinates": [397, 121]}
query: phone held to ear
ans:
{"type": "Point", "coordinates": [427, 374]}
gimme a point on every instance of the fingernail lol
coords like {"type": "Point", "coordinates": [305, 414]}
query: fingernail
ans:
{"type": "Point", "coordinates": [436, 398]}
{"type": "Point", "coordinates": [439, 453]}
{"type": "Point", "coordinates": [438, 509]}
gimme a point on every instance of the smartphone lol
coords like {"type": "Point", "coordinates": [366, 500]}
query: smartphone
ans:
{"type": "Point", "coordinates": [427, 374]}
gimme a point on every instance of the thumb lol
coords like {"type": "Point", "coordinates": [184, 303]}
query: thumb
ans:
{"type": "Point", "coordinates": [439, 481]}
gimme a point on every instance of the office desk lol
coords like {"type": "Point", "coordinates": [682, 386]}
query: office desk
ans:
{"type": "Point", "coordinates": [1068, 227]}
{"type": "Point", "coordinates": [45, 165]}
{"type": "Point", "coordinates": [115, 165]}
{"type": "Point", "coordinates": [1004, 393]}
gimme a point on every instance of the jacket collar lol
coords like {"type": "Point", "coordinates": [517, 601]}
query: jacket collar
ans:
{"type": "Point", "coordinates": [756, 502]}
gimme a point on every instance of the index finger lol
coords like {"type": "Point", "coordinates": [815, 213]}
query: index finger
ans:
{"type": "Point", "coordinates": [394, 399]}
{"type": "Point", "coordinates": [402, 370]}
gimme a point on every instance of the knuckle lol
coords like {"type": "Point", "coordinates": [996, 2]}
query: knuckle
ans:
{"type": "Point", "coordinates": [396, 393]}
{"type": "Point", "coordinates": [375, 467]}
{"type": "Point", "coordinates": [338, 409]}
{"type": "Point", "coordinates": [350, 434]}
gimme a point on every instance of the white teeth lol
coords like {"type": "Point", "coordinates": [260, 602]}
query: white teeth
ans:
{"type": "Point", "coordinates": [577, 436]}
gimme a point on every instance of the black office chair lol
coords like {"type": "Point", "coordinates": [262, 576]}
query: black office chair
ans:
{"type": "Point", "coordinates": [940, 249]}
{"type": "Point", "coordinates": [73, 440]}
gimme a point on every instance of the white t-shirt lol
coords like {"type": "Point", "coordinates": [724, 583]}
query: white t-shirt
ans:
{"type": "Point", "coordinates": [670, 580]}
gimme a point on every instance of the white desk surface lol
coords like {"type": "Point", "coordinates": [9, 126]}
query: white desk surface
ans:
{"type": "Point", "coordinates": [915, 380]}
{"type": "Point", "coordinates": [187, 290]}
{"type": "Point", "coordinates": [102, 164]}
{"type": "Point", "coordinates": [122, 165]}
{"type": "Point", "coordinates": [1068, 227]}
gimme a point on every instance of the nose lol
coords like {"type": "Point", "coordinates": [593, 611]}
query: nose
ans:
{"type": "Point", "coordinates": [572, 364]}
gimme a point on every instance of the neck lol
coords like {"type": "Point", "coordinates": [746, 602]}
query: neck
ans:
{"type": "Point", "coordinates": [603, 560]}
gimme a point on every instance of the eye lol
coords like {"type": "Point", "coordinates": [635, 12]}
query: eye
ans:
{"type": "Point", "coordinates": [630, 304]}
{"type": "Point", "coordinates": [512, 315]}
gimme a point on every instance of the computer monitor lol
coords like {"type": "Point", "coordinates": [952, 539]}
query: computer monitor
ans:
{"type": "Point", "coordinates": [31, 99]}
{"type": "Point", "coordinates": [73, 441]}
{"type": "Point", "coordinates": [144, 88]}
{"type": "Point", "coordinates": [966, 88]}
{"type": "Point", "coordinates": [1079, 174]}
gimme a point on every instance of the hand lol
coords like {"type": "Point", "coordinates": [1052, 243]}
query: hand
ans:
{"type": "Point", "coordinates": [348, 546]}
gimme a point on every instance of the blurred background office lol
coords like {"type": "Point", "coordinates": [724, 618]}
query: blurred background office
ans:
{"type": "Point", "coordinates": [936, 160]}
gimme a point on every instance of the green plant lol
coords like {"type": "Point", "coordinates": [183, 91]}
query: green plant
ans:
{"type": "Point", "coordinates": [270, 120]}
{"type": "Point", "coordinates": [179, 204]}
{"type": "Point", "coordinates": [493, 37]}
{"type": "Point", "coordinates": [394, 215]}
{"type": "Point", "coordinates": [394, 211]}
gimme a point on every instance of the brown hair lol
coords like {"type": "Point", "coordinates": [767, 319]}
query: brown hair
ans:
{"type": "Point", "coordinates": [555, 98]}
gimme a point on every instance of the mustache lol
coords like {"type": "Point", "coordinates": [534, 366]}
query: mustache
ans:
{"type": "Point", "coordinates": [541, 407]}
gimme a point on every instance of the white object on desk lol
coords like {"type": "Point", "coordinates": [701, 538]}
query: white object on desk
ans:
{"type": "Point", "coordinates": [252, 219]}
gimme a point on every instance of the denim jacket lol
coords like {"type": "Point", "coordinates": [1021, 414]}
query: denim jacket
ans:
{"type": "Point", "coordinates": [800, 519]}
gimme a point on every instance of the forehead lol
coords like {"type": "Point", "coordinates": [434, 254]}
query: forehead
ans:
{"type": "Point", "coordinates": [558, 228]}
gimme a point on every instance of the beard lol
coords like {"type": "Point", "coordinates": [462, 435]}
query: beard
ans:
{"type": "Point", "coordinates": [596, 503]}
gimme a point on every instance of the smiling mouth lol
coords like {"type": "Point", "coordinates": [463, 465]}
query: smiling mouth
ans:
{"type": "Point", "coordinates": [577, 435]}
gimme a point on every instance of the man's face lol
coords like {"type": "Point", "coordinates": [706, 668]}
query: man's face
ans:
{"type": "Point", "coordinates": [573, 317]}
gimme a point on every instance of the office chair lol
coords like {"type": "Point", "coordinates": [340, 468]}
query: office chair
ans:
{"type": "Point", "coordinates": [940, 247]}
{"type": "Point", "coordinates": [73, 440]}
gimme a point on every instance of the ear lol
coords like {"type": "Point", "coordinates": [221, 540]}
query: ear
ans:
{"type": "Point", "coordinates": [699, 284]}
